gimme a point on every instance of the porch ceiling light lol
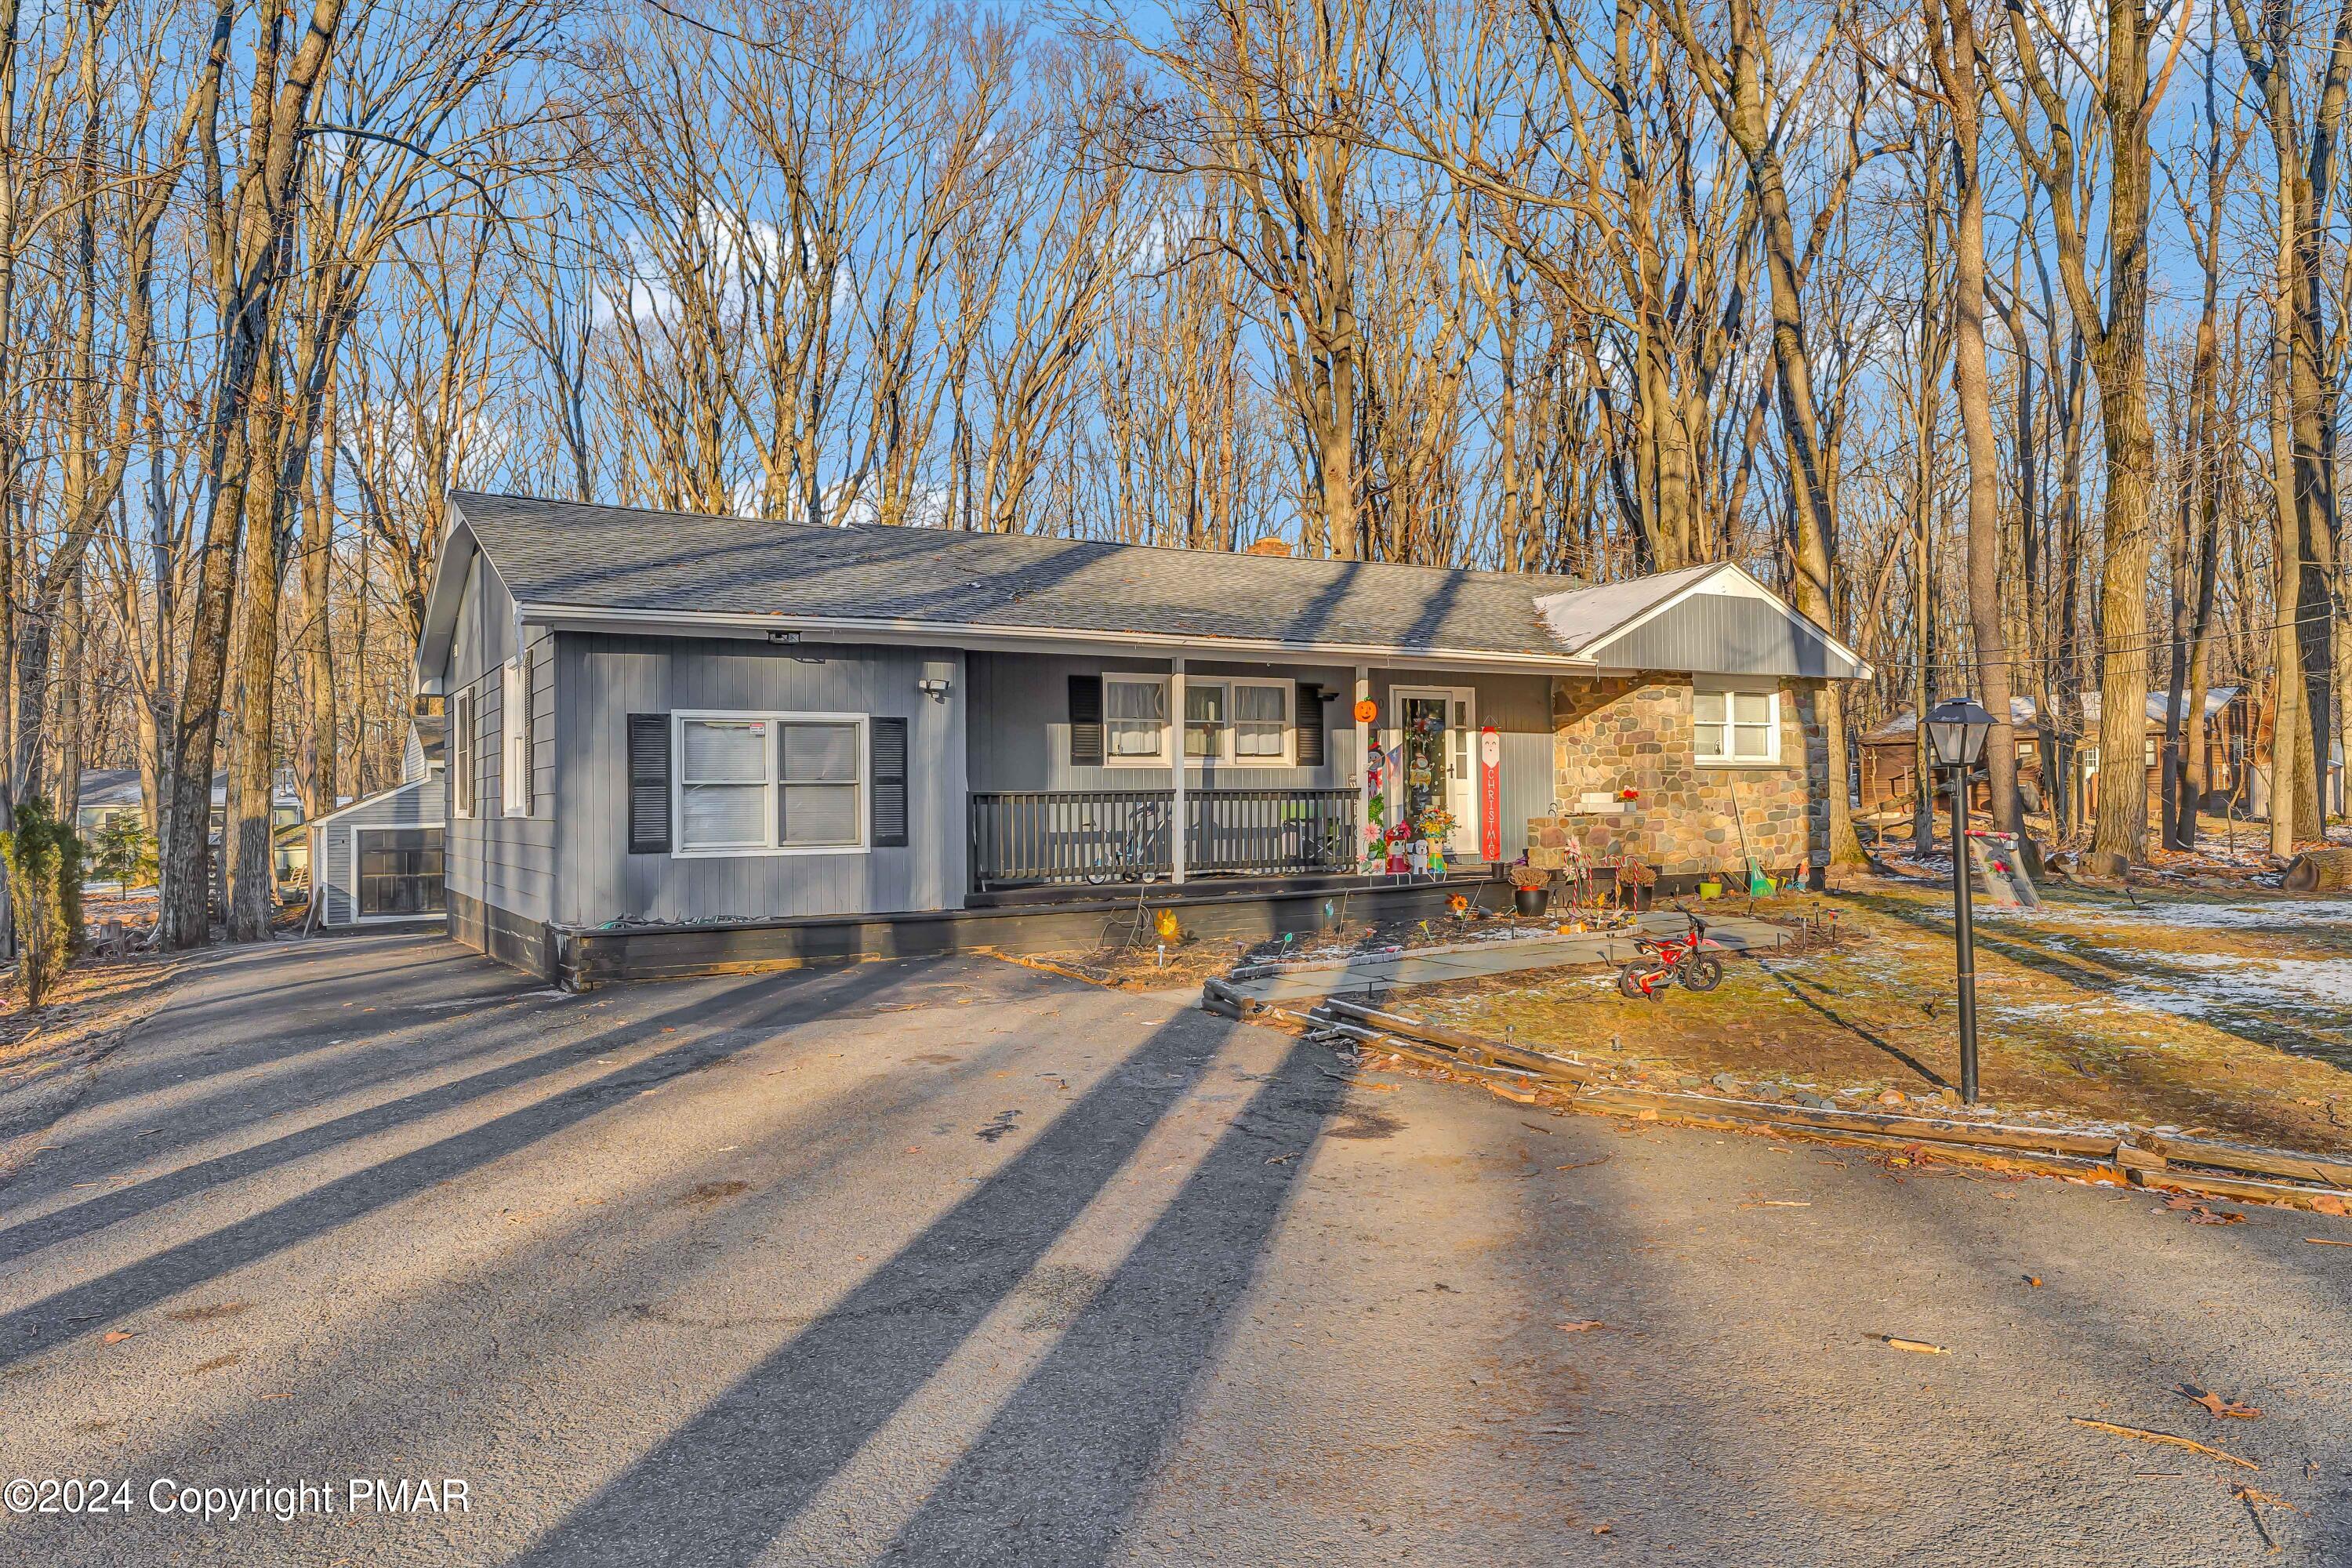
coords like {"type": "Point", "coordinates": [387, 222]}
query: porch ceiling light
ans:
{"type": "Point", "coordinates": [1956, 730]}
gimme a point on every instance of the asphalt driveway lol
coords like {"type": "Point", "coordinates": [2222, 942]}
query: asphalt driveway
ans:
{"type": "Point", "coordinates": [959, 1262]}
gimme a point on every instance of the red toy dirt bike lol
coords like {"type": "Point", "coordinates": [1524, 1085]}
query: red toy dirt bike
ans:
{"type": "Point", "coordinates": [1667, 961]}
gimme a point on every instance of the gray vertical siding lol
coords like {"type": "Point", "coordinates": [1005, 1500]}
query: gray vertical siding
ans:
{"type": "Point", "coordinates": [415, 804]}
{"type": "Point", "coordinates": [508, 863]}
{"type": "Point", "coordinates": [1021, 725]}
{"type": "Point", "coordinates": [599, 680]}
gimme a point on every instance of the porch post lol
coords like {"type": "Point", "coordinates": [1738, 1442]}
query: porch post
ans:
{"type": "Point", "coordinates": [1176, 771]}
{"type": "Point", "coordinates": [1363, 755]}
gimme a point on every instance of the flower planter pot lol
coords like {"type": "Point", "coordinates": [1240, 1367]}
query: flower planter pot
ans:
{"type": "Point", "coordinates": [1529, 900]}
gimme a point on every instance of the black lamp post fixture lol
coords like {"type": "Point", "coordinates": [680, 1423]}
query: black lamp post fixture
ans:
{"type": "Point", "coordinates": [1956, 730]}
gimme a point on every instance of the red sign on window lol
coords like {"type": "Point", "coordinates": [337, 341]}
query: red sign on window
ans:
{"type": "Point", "coordinates": [1490, 793]}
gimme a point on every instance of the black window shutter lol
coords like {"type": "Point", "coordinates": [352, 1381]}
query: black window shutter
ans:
{"type": "Point", "coordinates": [1086, 721]}
{"type": "Point", "coordinates": [1308, 720]}
{"type": "Point", "coordinates": [648, 783]}
{"type": "Point", "coordinates": [887, 742]}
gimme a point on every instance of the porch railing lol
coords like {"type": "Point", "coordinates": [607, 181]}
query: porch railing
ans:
{"type": "Point", "coordinates": [1111, 835]}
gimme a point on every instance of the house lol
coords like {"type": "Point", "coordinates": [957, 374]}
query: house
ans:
{"type": "Point", "coordinates": [677, 742]}
{"type": "Point", "coordinates": [1888, 776]}
{"type": "Point", "coordinates": [108, 792]}
{"type": "Point", "coordinates": [2234, 721]}
{"type": "Point", "coordinates": [379, 859]}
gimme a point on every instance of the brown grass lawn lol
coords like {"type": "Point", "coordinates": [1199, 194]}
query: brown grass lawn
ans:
{"type": "Point", "coordinates": [2224, 1012]}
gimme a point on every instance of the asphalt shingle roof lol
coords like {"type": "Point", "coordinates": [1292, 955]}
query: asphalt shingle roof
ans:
{"type": "Point", "coordinates": [552, 552]}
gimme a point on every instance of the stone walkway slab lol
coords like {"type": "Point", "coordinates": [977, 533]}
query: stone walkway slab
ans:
{"type": "Point", "coordinates": [1736, 932]}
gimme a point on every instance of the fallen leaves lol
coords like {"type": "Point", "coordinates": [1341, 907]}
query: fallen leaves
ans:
{"type": "Point", "coordinates": [2226, 1409]}
{"type": "Point", "coordinates": [2167, 1438]}
{"type": "Point", "coordinates": [1582, 1325]}
{"type": "Point", "coordinates": [116, 1336]}
{"type": "Point", "coordinates": [2198, 1211]}
{"type": "Point", "coordinates": [2034, 1280]}
{"type": "Point", "coordinates": [1919, 1347]}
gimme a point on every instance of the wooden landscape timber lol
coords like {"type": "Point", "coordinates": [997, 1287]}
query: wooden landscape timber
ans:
{"type": "Point", "coordinates": [2163, 1162]}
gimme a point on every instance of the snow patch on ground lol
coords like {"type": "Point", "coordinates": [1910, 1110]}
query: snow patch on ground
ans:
{"type": "Point", "coordinates": [2219, 982]}
{"type": "Point", "coordinates": [2281, 914]}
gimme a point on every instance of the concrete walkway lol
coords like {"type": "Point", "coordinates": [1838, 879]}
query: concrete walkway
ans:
{"type": "Point", "coordinates": [1737, 933]}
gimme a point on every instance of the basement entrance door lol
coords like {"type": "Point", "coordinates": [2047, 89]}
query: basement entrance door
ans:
{"type": "Point", "coordinates": [1437, 738]}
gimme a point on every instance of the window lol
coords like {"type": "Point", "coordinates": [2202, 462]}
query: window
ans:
{"type": "Point", "coordinates": [514, 719]}
{"type": "Point", "coordinates": [1738, 728]}
{"type": "Point", "coordinates": [771, 782]}
{"type": "Point", "coordinates": [1262, 721]}
{"type": "Point", "coordinates": [1205, 715]}
{"type": "Point", "coordinates": [1135, 719]}
{"type": "Point", "coordinates": [461, 754]}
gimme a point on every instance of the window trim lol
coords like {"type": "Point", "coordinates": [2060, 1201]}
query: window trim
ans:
{"type": "Point", "coordinates": [514, 783]}
{"type": "Point", "coordinates": [1112, 759]}
{"type": "Point", "coordinates": [773, 783]}
{"type": "Point", "coordinates": [1288, 723]}
{"type": "Point", "coordinates": [1772, 758]}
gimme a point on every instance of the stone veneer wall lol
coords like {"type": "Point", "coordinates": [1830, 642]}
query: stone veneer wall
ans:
{"type": "Point", "coordinates": [1635, 731]}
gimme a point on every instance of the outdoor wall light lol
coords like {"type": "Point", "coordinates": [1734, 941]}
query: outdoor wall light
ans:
{"type": "Point", "coordinates": [783, 639]}
{"type": "Point", "coordinates": [938, 676]}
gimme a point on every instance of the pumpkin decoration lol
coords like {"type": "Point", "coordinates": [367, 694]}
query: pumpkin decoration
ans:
{"type": "Point", "coordinates": [1367, 710]}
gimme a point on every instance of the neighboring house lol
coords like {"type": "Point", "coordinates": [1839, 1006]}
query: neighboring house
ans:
{"type": "Point", "coordinates": [2234, 723]}
{"type": "Point", "coordinates": [656, 723]}
{"type": "Point", "coordinates": [380, 857]}
{"type": "Point", "coordinates": [108, 792]}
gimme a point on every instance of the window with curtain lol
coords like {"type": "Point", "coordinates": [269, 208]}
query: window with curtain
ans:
{"type": "Point", "coordinates": [764, 782]}
{"type": "Point", "coordinates": [1207, 712]}
{"type": "Point", "coordinates": [1261, 720]}
{"type": "Point", "coordinates": [1738, 727]}
{"type": "Point", "coordinates": [1135, 718]}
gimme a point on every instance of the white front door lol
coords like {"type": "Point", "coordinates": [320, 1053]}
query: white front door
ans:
{"type": "Point", "coordinates": [1434, 734]}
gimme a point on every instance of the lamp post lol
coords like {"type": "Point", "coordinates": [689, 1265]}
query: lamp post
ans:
{"type": "Point", "coordinates": [1958, 732]}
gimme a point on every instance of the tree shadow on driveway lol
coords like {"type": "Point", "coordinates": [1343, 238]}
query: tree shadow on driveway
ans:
{"type": "Point", "coordinates": [1057, 1473]}
{"type": "Point", "coordinates": [713, 1026]}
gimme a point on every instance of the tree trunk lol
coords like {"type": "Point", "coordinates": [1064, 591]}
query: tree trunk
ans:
{"type": "Point", "coordinates": [319, 774]}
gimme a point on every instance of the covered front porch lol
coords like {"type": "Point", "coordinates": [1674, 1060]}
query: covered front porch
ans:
{"type": "Point", "coordinates": [1094, 838]}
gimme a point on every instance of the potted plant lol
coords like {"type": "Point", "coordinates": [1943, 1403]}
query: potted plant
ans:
{"type": "Point", "coordinates": [1530, 888]}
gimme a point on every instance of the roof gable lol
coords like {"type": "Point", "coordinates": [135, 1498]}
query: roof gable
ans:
{"type": "Point", "coordinates": [1710, 619]}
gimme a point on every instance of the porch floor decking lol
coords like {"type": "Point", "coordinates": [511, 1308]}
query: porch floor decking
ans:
{"type": "Point", "coordinates": [1737, 933]}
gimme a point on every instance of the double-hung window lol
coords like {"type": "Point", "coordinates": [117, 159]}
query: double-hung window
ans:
{"type": "Point", "coordinates": [1262, 721]}
{"type": "Point", "coordinates": [1738, 728]}
{"type": "Point", "coordinates": [1206, 715]}
{"type": "Point", "coordinates": [1135, 719]}
{"type": "Point", "coordinates": [752, 784]}
{"type": "Point", "coordinates": [461, 753]}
